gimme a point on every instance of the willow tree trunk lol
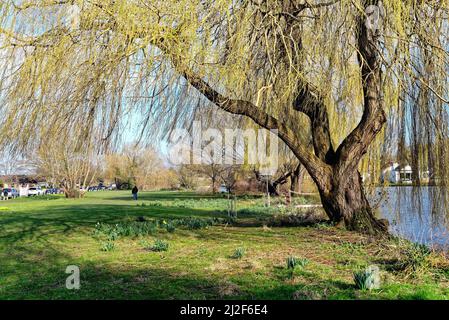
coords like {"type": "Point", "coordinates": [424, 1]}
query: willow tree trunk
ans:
{"type": "Point", "coordinates": [348, 205]}
{"type": "Point", "coordinates": [73, 193]}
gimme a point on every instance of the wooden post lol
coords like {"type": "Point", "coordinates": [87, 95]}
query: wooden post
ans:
{"type": "Point", "coordinates": [288, 198]}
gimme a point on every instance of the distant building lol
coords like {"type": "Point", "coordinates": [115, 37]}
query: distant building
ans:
{"type": "Point", "coordinates": [396, 173]}
{"type": "Point", "coordinates": [22, 180]}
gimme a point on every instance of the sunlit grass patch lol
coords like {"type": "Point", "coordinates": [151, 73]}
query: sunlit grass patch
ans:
{"type": "Point", "coordinates": [39, 238]}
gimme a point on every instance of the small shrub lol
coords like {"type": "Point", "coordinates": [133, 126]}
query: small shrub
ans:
{"type": "Point", "coordinates": [293, 262]}
{"type": "Point", "coordinates": [367, 279]}
{"type": "Point", "coordinates": [107, 246]}
{"type": "Point", "coordinates": [302, 262]}
{"type": "Point", "coordinates": [127, 229]}
{"type": "Point", "coordinates": [416, 258]}
{"type": "Point", "coordinates": [113, 235]}
{"type": "Point", "coordinates": [159, 246]}
{"type": "Point", "coordinates": [170, 227]}
{"type": "Point", "coordinates": [238, 253]}
{"type": "Point", "coordinates": [195, 223]}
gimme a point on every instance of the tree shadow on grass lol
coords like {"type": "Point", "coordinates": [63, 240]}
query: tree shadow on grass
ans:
{"type": "Point", "coordinates": [101, 279]}
{"type": "Point", "coordinates": [36, 270]}
{"type": "Point", "coordinates": [40, 222]}
{"type": "Point", "coordinates": [64, 219]}
{"type": "Point", "coordinates": [47, 279]}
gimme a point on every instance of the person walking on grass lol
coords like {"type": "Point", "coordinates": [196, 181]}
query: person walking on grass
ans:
{"type": "Point", "coordinates": [134, 191]}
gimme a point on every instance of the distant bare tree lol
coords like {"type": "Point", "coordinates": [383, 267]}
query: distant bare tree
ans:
{"type": "Point", "coordinates": [134, 165]}
{"type": "Point", "coordinates": [186, 177]}
{"type": "Point", "coordinates": [65, 165]}
{"type": "Point", "coordinates": [13, 164]}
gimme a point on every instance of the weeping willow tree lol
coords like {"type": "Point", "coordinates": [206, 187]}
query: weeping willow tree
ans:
{"type": "Point", "coordinates": [341, 81]}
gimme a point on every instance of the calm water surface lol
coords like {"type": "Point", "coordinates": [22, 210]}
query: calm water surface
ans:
{"type": "Point", "coordinates": [417, 214]}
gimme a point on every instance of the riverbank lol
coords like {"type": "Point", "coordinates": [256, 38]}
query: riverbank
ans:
{"type": "Point", "coordinates": [205, 258]}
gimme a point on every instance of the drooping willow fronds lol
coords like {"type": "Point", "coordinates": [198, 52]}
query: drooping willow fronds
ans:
{"type": "Point", "coordinates": [69, 67]}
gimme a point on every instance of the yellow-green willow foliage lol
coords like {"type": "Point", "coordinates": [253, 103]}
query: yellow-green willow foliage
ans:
{"type": "Point", "coordinates": [71, 66]}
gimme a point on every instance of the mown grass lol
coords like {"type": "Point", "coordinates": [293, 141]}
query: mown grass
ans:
{"type": "Point", "coordinates": [40, 237]}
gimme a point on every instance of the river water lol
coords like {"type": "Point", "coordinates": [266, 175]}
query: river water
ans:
{"type": "Point", "coordinates": [418, 214]}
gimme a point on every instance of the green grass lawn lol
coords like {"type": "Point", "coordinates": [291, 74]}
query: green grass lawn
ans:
{"type": "Point", "coordinates": [40, 237]}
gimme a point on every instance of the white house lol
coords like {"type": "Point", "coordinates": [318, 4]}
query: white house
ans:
{"type": "Point", "coordinates": [405, 174]}
{"type": "Point", "coordinates": [395, 173]}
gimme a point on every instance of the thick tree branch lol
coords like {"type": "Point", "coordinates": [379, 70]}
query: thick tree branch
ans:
{"type": "Point", "coordinates": [312, 105]}
{"type": "Point", "coordinates": [299, 8]}
{"type": "Point", "coordinates": [356, 144]}
{"type": "Point", "coordinates": [43, 3]}
{"type": "Point", "coordinates": [314, 165]}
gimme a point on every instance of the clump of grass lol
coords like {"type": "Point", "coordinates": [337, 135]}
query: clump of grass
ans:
{"type": "Point", "coordinates": [113, 235]}
{"type": "Point", "coordinates": [159, 246]}
{"type": "Point", "coordinates": [238, 253]}
{"type": "Point", "coordinates": [134, 229]}
{"type": "Point", "coordinates": [196, 223]}
{"type": "Point", "coordinates": [412, 259]}
{"type": "Point", "coordinates": [367, 279]}
{"type": "Point", "coordinates": [293, 262]}
{"type": "Point", "coordinates": [325, 225]}
{"type": "Point", "coordinates": [107, 246]}
{"type": "Point", "coordinates": [416, 258]}
{"type": "Point", "coordinates": [157, 204]}
{"type": "Point", "coordinates": [126, 229]}
{"type": "Point", "coordinates": [143, 227]}
{"type": "Point", "coordinates": [170, 227]}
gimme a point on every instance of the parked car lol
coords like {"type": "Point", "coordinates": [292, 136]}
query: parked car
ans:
{"type": "Point", "coordinates": [35, 191]}
{"type": "Point", "coordinates": [10, 193]}
{"type": "Point", "coordinates": [223, 189]}
{"type": "Point", "coordinates": [52, 191]}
